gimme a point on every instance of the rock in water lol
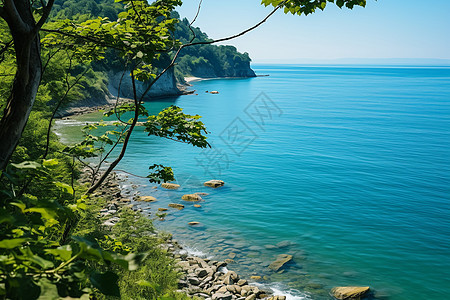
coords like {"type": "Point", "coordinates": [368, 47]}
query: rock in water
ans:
{"type": "Point", "coordinates": [193, 223]}
{"type": "Point", "coordinates": [282, 259]}
{"type": "Point", "coordinates": [191, 197]}
{"type": "Point", "coordinates": [146, 199]}
{"type": "Point", "coordinates": [170, 186]}
{"type": "Point", "coordinates": [349, 292]}
{"type": "Point", "coordinates": [214, 183]}
{"type": "Point", "coordinates": [176, 205]}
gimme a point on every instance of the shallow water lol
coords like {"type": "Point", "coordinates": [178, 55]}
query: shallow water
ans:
{"type": "Point", "coordinates": [345, 168]}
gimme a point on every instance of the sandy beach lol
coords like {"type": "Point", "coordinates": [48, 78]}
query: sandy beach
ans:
{"type": "Point", "coordinates": [191, 79]}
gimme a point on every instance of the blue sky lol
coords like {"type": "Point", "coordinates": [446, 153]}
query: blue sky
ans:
{"type": "Point", "coordinates": [384, 29]}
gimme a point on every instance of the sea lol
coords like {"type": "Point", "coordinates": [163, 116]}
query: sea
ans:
{"type": "Point", "coordinates": [346, 168]}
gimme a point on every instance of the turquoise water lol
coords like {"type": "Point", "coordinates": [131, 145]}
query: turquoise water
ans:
{"type": "Point", "coordinates": [349, 167]}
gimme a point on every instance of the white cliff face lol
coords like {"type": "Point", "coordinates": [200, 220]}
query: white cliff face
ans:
{"type": "Point", "coordinates": [165, 86]}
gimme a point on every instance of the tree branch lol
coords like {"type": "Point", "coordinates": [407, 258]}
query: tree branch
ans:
{"type": "Point", "coordinates": [6, 47]}
{"type": "Point", "coordinates": [47, 9]}
{"type": "Point", "coordinates": [69, 87]}
{"type": "Point", "coordinates": [137, 102]}
{"type": "Point", "coordinates": [125, 143]}
{"type": "Point", "coordinates": [86, 38]}
{"type": "Point", "coordinates": [193, 21]}
{"type": "Point", "coordinates": [172, 63]}
{"type": "Point", "coordinates": [13, 16]}
{"type": "Point", "coordinates": [48, 60]}
{"type": "Point", "coordinates": [241, 33]}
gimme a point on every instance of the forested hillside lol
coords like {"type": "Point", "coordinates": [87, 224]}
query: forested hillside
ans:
{"type": "Point", "coordinates": [206, 61]}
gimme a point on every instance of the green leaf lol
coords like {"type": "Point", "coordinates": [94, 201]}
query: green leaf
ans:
{"type": "Point", "coordinates": [46, 213]}
{"type": "Point", "coordinates": [63, 252]}
{"type": "Point", "coordinates": [106, 283]}
{"type": "Point", "coordinates": [27, 165]}
{"type": "Point", "coordinates": [145, 283]}
{"type": "Point", "coordinates": [64, 186]}
{"type": "Point", "coordinates": [43, 263]}
{"type": "Point", "coordinates": [12, 243]}
{"type": "Point", "coordinates": [20, 205]}
{"type": "Point", "coordinates": [49, 163]}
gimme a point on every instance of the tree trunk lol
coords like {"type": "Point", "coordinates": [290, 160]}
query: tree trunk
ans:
{"type": "Point", "coordinates": [27, 77]}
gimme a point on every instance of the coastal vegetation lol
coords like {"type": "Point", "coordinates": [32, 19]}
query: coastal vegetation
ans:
{"type": "Point", "coordinates": [53, 53]}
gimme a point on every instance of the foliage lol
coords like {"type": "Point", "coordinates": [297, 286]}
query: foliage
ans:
{"type": "Point", "coordinates": [208, 60]}
{"type": "Point", "coordinates": [173, 124]}
{"type": "Point", "coordinates": [134, 233]}
{"type": "Point", "coordinates": [72, 9]}
{"type": "Point", "coordinates": [35, 250]}
{"type": "Point", "coordinates": [307, 7]}
{"type": "Point", "coordinates": [161, 173]}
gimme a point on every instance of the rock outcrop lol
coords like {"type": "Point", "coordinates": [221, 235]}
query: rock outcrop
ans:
{"type": "Point", "coordinates": [191, 197]}
{"type": "Point", "coordinates": [176, 205]}
{"type": "Point", "coordinates": [146, 198]}
{"type": "Point", "coordinates": [214, 183]}
{"type": "Point", "coordinates": [281, 261]}
{"type": "Point", "coordinates": [349, 292]}
{"type": "Point", "coordinates": [166, 86]}
{"type": "Point", "coordinates": [170, 186]}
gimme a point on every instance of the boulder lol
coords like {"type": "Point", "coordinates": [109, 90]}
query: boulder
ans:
{"type": "Point", "coordinates": [219, 296]}
{"type": "Point", "coordinates": [284, 244]}
{"type": "Point", "coordinates": [214, 92]}
{"type": "Point", "coordinates": [232, 289]}
{"type": "Point", "coordinates": [202, 273]}
{"type": "Point", "coordinates": [255, 277]}
{"type": "Point", "coordinates": [146, 198]}
{"type": "Point", "coordinates": [183, 264]}
{"type": "Point", "coordinates": [282, 259]}
{"type": "Point", "coordinates": [194, 280]}
{"type": "Point", "coordinates": [170, 186]}
{"type": "Point", "coordinates": [242, 282]}
{"type": "Point", "coordinates": [349, 292]}
{"type": "Point", "coordinates": [221, 264]}
{"type": "Point", "coordinates": [230, 278]}
{"type": "Point", "coordinates": [197, 205]}
{"type": "Point", "coordinates": [162, 209]}
{"type": "Point", "coordinates": [193, 223]}
{"type": "Point", "coordinates": [214, 183]}
{"type": "Point", "coordinates": [176, 205]}
{"type": "Point", "coordinates": [191, 197]}
{"type": "Point", "coordinates": [202, 194]}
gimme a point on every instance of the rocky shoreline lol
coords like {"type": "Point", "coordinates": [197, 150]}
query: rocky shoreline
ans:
{"type": "Point", "coordinates": [202, 277]}
{"type": "Point", "coordinates": [109, 103]}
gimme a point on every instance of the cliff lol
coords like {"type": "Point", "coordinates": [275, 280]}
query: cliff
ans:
{"type": "Point", "coordinates": [166, 86]}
